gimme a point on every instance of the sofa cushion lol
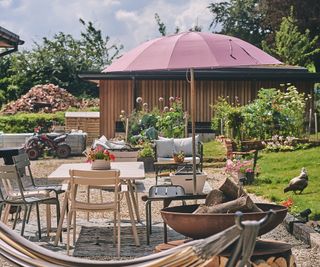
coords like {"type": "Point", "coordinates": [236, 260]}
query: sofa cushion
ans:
{"type": "Point", "coordinates": [165, 148]}
{"type": "Point", "coordinates": [185, 145]}
{"type": "Point", "coordinates": [186, 159]}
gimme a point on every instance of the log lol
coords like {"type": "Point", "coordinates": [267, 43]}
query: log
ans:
{"type": "Point", "coordinates": [223, 261]}
{"type": "Point", "coordinates": [281, 262]}
{"type": "Point", "coordinates": [232, 191]}
{"type": "Point", "coordinates": [240, 204]}
{"type": "Point", "coordinates": [215, 197]}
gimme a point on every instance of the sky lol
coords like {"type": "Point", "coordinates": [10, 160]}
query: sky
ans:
{"type": "Point", "coordinates": [127, 22]}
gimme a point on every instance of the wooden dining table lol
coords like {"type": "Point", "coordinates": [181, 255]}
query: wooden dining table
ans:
{"type": "Point", "coordinates": [129, 173]}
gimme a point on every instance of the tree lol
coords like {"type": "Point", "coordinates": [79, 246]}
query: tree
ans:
{"type": "Point", "coordinates": [306, 15]}
{"type": "Point", "coordinates": [291, 46]}
{"type": "Point", "coordinates": [239, 18]}
{"type": "Point", "coordinates": [59, 60]}
{"type": "Point", "coordinates": [163, 28]}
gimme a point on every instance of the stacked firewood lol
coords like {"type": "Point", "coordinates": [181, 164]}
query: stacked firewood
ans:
{"type": "Point", "coordinates": [228, 198]}
{"type": "Point", "coordinates": [48, 98]}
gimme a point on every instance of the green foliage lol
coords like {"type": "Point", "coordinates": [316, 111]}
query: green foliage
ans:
{"type": "Point", "coordinates": [171, 123]}
{"type": "Point", "coordinates": [58, 61]}
{"type": "Point", "coordinates": [161, 25]}
{"type": "Point", "coordinates": [277, 169]}
{"type": "Point", "coordinates": [231, 115]}
{"type": "Point", "coordinates": [291, 46]}
{"type": "Point", "coordinates": [146, 151]}
{"type": "Point", "coordinates": [272, 113]}
{"type": "Point", "coordinates": [26, 122]}
{"type": "Point", "coordinates": [241, 19]}
{"type": "Point", "coordinates": [145, 125]}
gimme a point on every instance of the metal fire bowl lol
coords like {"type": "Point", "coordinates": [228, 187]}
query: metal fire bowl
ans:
{"type": "Point", "coordinates": [196, 226]}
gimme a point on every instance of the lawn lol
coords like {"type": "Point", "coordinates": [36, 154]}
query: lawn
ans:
{"type": "Point", "coordinates": [214, 149]}
{"type": "Point", "coordinates": [277, 169]}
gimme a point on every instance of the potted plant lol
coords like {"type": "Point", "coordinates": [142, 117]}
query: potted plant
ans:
{"type": "Point", "coordinates": [146, 154]}
{"type": "Point", "coordinates": [178, 157]}
{"type": "Point", "coordinates": [100, 158]}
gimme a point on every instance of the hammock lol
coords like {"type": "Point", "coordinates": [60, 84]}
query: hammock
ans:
{"type": "Point", "coordinates": [195, 253]}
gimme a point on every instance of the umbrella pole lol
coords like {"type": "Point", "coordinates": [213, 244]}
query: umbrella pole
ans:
{"type": "Point", "coordinates": [193, 119]}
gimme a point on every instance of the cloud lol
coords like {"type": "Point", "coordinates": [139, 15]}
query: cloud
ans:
{"type": "Point", "coordinates": [125, 21]}
{"type": "Point", "coordinates": [142, 26]}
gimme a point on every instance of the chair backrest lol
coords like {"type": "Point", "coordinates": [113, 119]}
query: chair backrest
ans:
{"type": "Point", "coordinates": [22, 163]}
{"type": "Point", "coordinates": [107, 178]}
{"type": "Point", "coordinates": [10, 178]}
{"type": "Point", "coordinates": [166, 191]}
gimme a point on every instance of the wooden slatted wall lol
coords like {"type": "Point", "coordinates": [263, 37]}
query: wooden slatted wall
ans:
{"type": "Point", "coordinates": [118, 95]}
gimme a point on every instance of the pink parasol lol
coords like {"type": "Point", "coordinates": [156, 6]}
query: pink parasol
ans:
{"type": "Point", "coordinates": [189, 51]}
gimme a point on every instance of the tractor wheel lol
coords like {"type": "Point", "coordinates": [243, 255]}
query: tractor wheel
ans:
{"type": "Point", "coordinates": [33, 153]}
{"type": "Point", "coordinates": [63, 151]}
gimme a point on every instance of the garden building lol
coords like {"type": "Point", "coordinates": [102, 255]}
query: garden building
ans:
{"type": "Point", "coordinates": [9, 42]}
{"type": "Point", "coordinates": [119, 87]}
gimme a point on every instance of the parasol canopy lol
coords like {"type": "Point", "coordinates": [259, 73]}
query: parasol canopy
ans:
{"type": "Point", "coordinates": [189, 51]}
{"type": "Point", "coordinates": [199, 50]}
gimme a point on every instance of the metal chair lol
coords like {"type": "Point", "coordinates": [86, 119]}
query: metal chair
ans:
{"type": "Point", "coordinates": [165, 193]}
{"type": "Point", "coordinates": [16, 195]}
{"type": "Point", "coordinates": [23, 165]}
{"type": "Point", "coordinates": [95, 179]}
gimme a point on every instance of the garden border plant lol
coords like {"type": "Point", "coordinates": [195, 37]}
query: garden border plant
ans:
{"type": "Point", "coordinates": [26, 122]}
{"type": "Point", "coordinates": [273, 112]}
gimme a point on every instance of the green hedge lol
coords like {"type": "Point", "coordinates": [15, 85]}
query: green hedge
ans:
{"type": "Point", "coordinates": [26, 122]}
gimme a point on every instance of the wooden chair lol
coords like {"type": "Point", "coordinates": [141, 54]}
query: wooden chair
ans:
{"type": "Point", "coordinates": [16, 195]}
{"type": "Point", "coordinates": [108, 178]}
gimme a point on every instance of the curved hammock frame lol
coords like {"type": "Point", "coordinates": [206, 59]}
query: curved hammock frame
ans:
{"type": "Point", "coordinates": [195, 253]}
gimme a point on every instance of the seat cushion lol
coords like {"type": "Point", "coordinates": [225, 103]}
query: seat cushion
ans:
{"type": "Point", "coordinates": [165, 148]}
{"type": "Point", "coordinates": [186, 159]}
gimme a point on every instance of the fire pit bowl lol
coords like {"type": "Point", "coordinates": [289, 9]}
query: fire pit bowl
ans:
{"type": "Point", "coordinates": [196, 226]}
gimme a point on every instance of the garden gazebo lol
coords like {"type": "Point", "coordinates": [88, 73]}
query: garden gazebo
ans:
{"type": "Point", "coordinates": [119, 89]}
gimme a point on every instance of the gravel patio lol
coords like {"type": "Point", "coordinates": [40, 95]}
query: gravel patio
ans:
{"type": "Point", "coordinates": [304, 255]}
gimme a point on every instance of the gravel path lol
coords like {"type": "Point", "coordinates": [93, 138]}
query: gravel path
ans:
{"type": "Point", "coordinates": [304, 255]}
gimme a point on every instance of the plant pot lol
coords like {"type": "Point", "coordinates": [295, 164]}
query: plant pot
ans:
{"type": "Point", "coordinates": [148, 163]}
{"type": "Point", "coordinates": [100, 164]}
{"type": "Point", "coordinates": [177, 159]}
{"type": "Point", "coordinates": [249, 177]}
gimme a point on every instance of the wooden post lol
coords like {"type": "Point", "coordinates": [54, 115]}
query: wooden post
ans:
{"type": "Point", "coordinates": [186, 118]}
{"type": "Point", "coordinates": [316, 125]}
{"type": "Point", "coordinates": [310, 118]}
{"type": "Point", "coordinates": [127, 129]}
{"type": "Point", "coordinates": [193, 125]}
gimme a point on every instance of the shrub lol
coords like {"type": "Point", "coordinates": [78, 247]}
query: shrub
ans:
{"type": "Point", "coordinates": [26, 122]}
{"type": "Point", "coordinates": [272, 113]}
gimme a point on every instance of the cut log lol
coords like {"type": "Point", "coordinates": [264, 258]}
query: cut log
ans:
{"type": "Point", "coordinates": [281, 262]}
{"type": "Point", "coordinates": [215, 197]}
{"type": "Point", "coordinates": [232, 191]}
{"type": "Point", "coordinates": [271, 260]}
{"type": "Point", "coordinates": [223, 261]}
{"type": "Point", "coordinates": [214, 262]}
{"type": "Point", "coordinates": [244, 204]}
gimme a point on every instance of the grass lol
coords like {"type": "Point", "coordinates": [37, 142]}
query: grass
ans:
{"type": "Point", "coordinates": [277, 169]}
{"type": "Point", "coordinates": [213, 149]}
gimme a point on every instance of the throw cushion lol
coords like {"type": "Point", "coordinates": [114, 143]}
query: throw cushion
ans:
{"type": "Point", "coordinates": [185, 145]}
{"type": "Point", "coordinates": [165, 148]}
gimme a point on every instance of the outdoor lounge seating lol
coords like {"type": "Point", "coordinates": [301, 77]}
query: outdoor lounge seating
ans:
{"type": "Point", "coordinates": [166, 147]}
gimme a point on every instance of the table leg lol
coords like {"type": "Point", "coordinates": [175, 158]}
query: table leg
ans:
{"type": "Point", "coordinates": [133, 223]}
{"type": "Point", "coordinates": [62, 214]}
{"type": "Point", "coordinates": [134, 201]}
